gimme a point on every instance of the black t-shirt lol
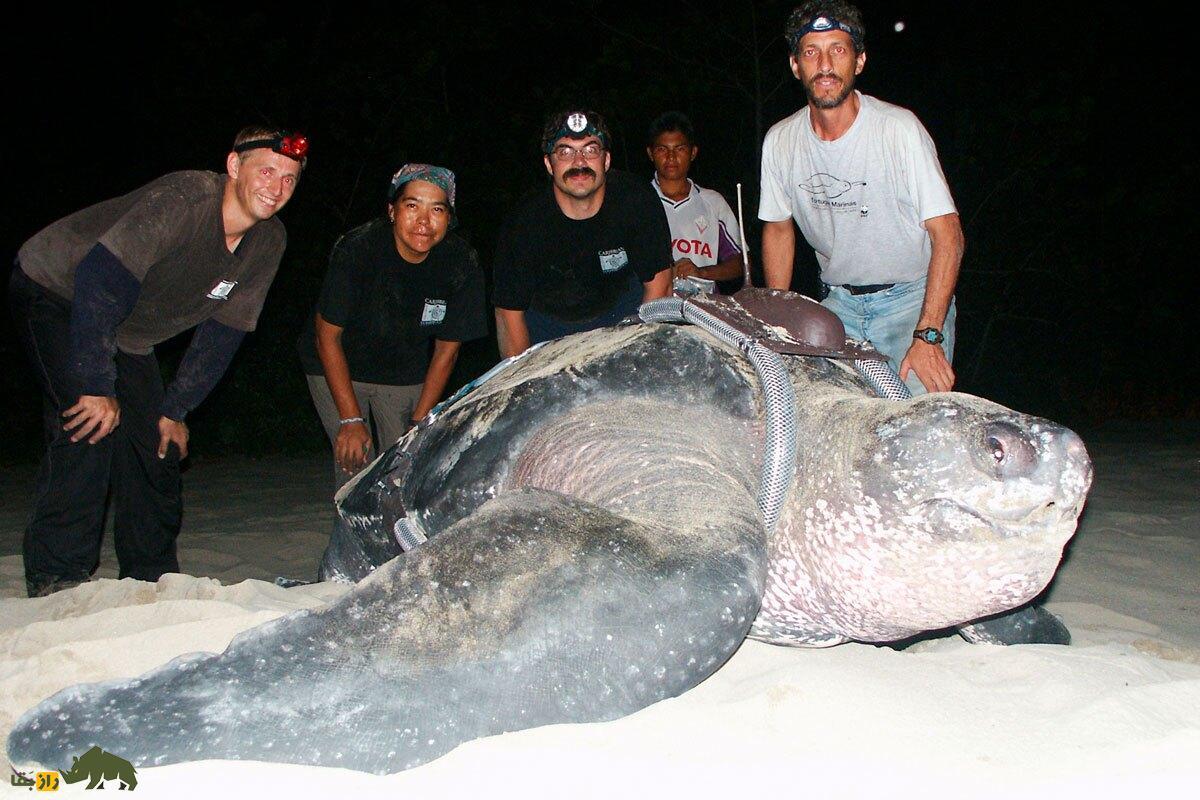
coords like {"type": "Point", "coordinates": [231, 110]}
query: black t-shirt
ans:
{"type": "Point", "coordinates": [391, 309]}
{"type": "Point", "coordinates": [579, 270]}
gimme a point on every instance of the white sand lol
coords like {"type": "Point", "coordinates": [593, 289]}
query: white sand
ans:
{"type": "Point", "coordinates": [1117, 714]}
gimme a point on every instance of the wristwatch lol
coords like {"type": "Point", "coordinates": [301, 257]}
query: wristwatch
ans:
{"type": "Point", "coordinates": [929, 335]}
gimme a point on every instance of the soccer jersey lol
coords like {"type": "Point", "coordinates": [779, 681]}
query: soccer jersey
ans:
{"type": "Point", "coordinates": [703, 226]}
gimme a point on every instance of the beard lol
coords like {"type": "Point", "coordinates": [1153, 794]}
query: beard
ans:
{"type": "Point", "coordinates": [828, 102]}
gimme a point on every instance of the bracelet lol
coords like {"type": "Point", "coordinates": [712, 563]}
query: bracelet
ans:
{"type": "Point", "coordinates": [349, 420]}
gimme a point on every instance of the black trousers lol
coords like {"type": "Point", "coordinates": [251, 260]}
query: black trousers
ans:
{"type": "Point", "coordinates": [62, 540]}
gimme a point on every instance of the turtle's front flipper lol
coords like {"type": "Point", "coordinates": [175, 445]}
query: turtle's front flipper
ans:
{"type": "Point", "coordinates": [536, 609]}
{"type": "Point", "coordinates": [1029, 624]}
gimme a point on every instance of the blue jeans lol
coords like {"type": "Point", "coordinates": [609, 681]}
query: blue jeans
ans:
{"type": "Point", "coordinates": [887, 319]}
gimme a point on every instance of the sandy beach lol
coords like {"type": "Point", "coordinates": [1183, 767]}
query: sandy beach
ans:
{"type": "Point", "coordinates": [1115, 714]}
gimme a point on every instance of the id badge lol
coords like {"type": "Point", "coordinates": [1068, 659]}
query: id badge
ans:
{"type": "Point", "coordinates": [221, 290]}
{"type": "Point", "coordinates": [613, 260]}
{"type": "Point", "coordinates": [434, 312]}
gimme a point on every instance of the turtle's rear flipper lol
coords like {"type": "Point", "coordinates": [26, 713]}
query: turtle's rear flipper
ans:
{"type": "Point", "coordinates": [536, 609]}
{"type": "Point", "coordinates": [1031, 624]}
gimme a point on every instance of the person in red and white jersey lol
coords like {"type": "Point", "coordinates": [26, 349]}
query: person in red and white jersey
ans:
{"type": "Point", "coordinates": [704, 229]}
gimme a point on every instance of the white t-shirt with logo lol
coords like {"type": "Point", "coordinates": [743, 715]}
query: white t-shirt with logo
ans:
{"type": "Point", "coordinates": [861, 199]}
{"type": "Point", "coordinates": [703, 226]}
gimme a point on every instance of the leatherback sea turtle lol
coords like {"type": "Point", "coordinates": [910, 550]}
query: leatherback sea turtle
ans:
{"type": "Point", "coordinates": [596, 542]}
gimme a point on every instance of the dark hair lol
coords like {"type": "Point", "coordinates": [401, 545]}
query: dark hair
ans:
{"type": "Point", "coordinates": [556, 124]}
{"type": "Point", "coordinates": [670, 121]}
{"type": "Point", "coordinates": [835, 9]}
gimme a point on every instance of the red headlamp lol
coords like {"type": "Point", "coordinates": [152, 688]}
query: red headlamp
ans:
{"type": "Point", "coordinates": [292, 145]}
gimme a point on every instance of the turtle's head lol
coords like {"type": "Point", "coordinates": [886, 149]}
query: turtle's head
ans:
{"type": "Point", "coordinates": [957, 468]}
{"type": "Point", "coordinates": [933, 512]}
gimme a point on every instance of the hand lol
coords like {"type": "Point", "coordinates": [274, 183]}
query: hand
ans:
{"type": "Point", "coordinates": [172, 431]}
{"type": "Point", "coordinates": [684, 268]}
{"type": "Point", "coordinates": [928, 362]}
{"type": "Point", "coordinates": [96, 415]}
{"type": "Point", "coordinates": [351, 448]}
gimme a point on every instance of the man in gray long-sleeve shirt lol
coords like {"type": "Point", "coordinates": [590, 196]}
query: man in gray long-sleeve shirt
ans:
{"type": "Point", "coordinates": [91, 296]}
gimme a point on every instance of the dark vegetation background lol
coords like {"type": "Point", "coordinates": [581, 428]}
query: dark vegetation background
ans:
{"type": "Point", "coordinates": [1058, 127]}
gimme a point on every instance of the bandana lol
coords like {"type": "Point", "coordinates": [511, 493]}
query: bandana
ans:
{"type": "Point", "coordinates": [438, 176]}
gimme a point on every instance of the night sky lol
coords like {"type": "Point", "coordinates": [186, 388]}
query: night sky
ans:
{"type": "Point", "coordinates": [1059, 130]}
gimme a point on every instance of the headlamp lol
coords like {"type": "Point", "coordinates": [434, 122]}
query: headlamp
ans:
{"type": "Point", "coordinates": [575, 125]}
{"type": "Point", "coordinates": [292, 145]}
{"type": "Point", "coordinates": [822, 24]}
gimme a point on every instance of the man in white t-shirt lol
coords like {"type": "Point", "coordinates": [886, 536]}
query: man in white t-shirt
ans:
{"type": "Point", "coordinates": [704, 229]}
{"type": "Point", "coordinates": [861, 179]}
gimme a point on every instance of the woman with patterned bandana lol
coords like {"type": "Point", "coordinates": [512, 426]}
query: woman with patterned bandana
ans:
{"type": "Point", "coordinates": [397, 288]}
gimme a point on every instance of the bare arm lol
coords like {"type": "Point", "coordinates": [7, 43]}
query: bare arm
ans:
{"type": "Point", "coordinates": [445, 354]}
{"type": "Point", "coordinates": [727, 270]}
{"type": "Point", "coordinates": [512, 334]}
{"type": "Point", "coordinates": [353, 440]}
{"type": "Point", "coordinates": [658, 286]}
{"type": "Point", "coordinates": [778, 253]}
{"type": "Point", "coordinates": [929, 361]}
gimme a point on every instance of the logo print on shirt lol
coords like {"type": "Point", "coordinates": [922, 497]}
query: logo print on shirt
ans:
{"type": "Point", "coordinates": [221, 290]}
{"type": "Point", "coordinates": [701, 224]}
{"type": "Point", "coordinates": [613, 260]}
{"type": "Point", "coordinates": [689, 246]}
{"type": "Point", "coordinates": [433, 312]}
{"type": "Point", "coordinates": [825, 184]}
{"type": "Point", "coordinates": [830, 192]}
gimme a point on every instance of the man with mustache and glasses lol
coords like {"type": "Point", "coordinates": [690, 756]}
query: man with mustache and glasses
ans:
{"type": "Point", "coordinates": [91, 295]}
{"type": "Point", "coordinates": [587, 252]}
{"type": "Point", "coordinates": [861, 179]}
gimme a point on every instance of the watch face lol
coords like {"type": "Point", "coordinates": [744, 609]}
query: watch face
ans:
{"type": "Point", "coordinates": [930, 335]}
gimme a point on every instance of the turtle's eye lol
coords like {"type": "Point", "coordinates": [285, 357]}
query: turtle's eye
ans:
{"type": "Point", "coordinates": [1009, 452]}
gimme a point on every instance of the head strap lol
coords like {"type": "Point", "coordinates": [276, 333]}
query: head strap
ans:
{"type": "Point", "coordinates": [576, 125]}
{"type": "Point", "coordinates": [292, 145]}
{"type": "Point", "coordinates": [822, 24]}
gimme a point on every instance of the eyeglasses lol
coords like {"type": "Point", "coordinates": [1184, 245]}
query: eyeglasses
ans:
{"type": "Point", "coordinates": [662, 149]}
{"type": "Point", "coordinates": [590, 151]}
